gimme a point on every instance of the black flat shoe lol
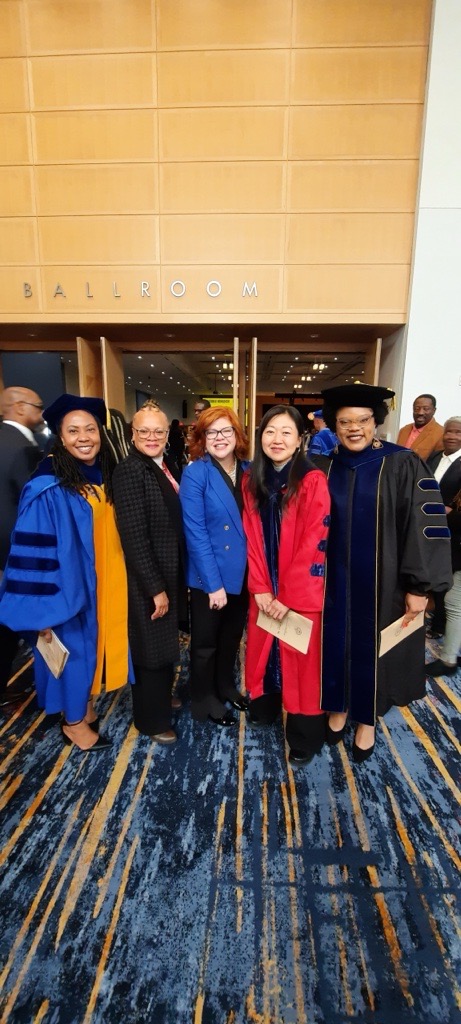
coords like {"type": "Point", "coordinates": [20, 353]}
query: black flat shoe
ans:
{"type": "Point", "coordinates": [226, 719]}
{"type": "Point", "coordinates": [334, 736]}
{"type": "Point", "coordinates": [242, 704]}
{"type": "Point", "coordinates": [440, 668]}
{"type": "Point", "coordinates": [10, 696]}
{"type": "Point", "coordinates": [101, 743]}
{"type": "Point", "coordinates": [359, 755]}
{"type": "Point", "coordinates": [299, 757]}
{"type": "Point", "coordinates": [259, 723]}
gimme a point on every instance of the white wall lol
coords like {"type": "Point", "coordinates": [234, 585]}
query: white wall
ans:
{"type": "Point", "coordinates": [433, 359]}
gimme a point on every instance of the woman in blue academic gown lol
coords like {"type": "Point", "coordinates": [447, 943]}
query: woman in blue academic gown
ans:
{"type": "Point", "coordinates": [66, 570]}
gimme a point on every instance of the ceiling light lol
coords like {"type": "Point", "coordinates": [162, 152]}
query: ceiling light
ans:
{"type": "Point", "coordinates": [152, 364]}
{"type": "Point", "coordinates": [224, 366]}
{"type": "Point", "coordinates": [308, 378]}
{"type": "Point", "coordinates": [231, 366]}
{"type": "Point", "coordinates": [213, 357]}
{"type": "Point", "coordinates": [315, 366]}
{"type": "Point", "coordinates": [314, 335]}
{"type": "Point", "coordinates": [321, 366]}
{"type": "Point", "coordinates": [139, 357]}
{"type": "Point", "coordinates": [303, 378]}
{"type": "Point", "coordinates": [163, 372]}
{"type": "Point", "coordinates": [296, 359]}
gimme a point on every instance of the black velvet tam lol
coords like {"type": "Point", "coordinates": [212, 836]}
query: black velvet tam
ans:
{"type": "Point", "coordinates": [356, 395]}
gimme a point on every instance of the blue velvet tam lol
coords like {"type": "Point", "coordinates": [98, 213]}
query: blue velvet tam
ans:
{"type": "Point", "coordinates": [318, 414]}
{"type": "Point", "coordinates": [55, 413]}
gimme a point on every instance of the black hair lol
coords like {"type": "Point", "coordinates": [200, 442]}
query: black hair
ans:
{"type": "Point", "coordinates": [68, 471]}
{"type": "Point", "coordinates": [299, 466]}
{"type": "Point", "coordinates": [431, 398]}
{"type": "Point", "coordinates": [379, 410]}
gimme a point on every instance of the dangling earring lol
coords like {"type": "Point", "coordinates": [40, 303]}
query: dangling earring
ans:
{"type": "Point", "coordinates": [376, 443]}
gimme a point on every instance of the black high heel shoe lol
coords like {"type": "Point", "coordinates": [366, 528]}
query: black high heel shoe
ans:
{"type": "Point", "coordinates": [101, 742]}
{"type": "Point", "coordinates": [227, 719]}
{"type": "Point", "coordinates": [359, 755]}
{"type": "Point", "coordinates": [334, 736]}
{"type": "Point", "coordinates": [94, 725]}
{"type": "Point", "coordinates": [241, 704]}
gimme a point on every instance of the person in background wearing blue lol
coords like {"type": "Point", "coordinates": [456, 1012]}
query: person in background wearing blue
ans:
{"type": "Point", "coordinates": [211, 499]}
{"type": "Point", "coordinates": [323, 442]}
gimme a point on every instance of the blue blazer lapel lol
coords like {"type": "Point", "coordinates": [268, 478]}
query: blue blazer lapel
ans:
{"type": "Point", "coordinates": [223, 492]}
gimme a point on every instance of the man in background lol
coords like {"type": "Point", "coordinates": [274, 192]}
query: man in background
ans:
{"type": "Point", "coordinates": [21, 410]}
{"type": "Point", "coordinates": [200, 405]}
{"type": "Point", "coordinates": [424, 435]}
{"type": "Point", "coordinates": [324, 440]}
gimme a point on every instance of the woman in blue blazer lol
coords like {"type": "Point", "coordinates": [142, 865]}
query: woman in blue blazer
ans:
{"type": "Point", "coordinates": [211, 500]}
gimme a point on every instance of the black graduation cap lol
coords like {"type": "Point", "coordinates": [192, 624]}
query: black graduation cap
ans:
{"type": "Point", "coordinates": [70, 403]}
{"type": "Point", "coordinates": [357, 394]}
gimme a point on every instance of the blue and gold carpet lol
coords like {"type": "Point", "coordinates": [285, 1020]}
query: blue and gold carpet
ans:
{"type": "Point", "coordinates": [210, 883]}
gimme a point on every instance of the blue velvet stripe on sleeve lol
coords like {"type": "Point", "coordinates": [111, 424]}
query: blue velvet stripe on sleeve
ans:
{"type": "Point", "coordinates": [35, 540]}
{"type": "Point", "coordinates": [433, 508]}
{"type": "Point", "coordinates": [32, 589]}
{"type": "Point", "coordinates": [33, 562]}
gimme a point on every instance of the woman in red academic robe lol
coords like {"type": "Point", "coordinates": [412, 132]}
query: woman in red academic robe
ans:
{"type": "Point", "coordinates": [286, 518]}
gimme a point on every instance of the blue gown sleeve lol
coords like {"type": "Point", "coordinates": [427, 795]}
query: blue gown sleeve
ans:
{"type": "Point", "coordinates": [49, 574]}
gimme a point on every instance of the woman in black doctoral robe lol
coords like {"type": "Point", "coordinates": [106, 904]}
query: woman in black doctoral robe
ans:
{"type": "Point", "coordinates": [388, 546]}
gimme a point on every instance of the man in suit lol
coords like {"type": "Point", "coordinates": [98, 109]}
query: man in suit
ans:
{"type": "Point", "coordinates": [424, 435]}
{"type": "Point", "coordinates": [21, 410]}
{"type": "Point", "coordinates": [446, 467]}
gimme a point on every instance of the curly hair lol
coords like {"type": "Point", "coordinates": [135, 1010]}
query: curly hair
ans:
{"type": "Point", "coordinates": [68, 471]}
{"type": "Point", "coordinates": [379, 410]}
{"type": "Point", "coordinates": [197, 446]}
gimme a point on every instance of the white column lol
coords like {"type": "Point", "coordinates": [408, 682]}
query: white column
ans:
{"type": "Point", "coordinates": [433, 355]}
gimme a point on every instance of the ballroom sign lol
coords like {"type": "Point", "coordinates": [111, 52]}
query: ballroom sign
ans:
{"type": "Point", "coordinates": [177, 288]}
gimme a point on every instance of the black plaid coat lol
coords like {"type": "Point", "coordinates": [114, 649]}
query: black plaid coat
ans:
{"type": "Point", "coordinates": [149, 521]}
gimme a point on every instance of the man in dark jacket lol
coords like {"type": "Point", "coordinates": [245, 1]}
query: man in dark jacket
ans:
{"type": "Point", "coordinates": [446, 467]}
{"type": "Point", "coordinates": [21, 410]}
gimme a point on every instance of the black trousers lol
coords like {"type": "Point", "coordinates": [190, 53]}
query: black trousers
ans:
{"type": "Point", "coordinates": [214, 643]}
{"type": "Point", "coordinates": [304, 733]}
{"type": "Point", "coordinates": [9, 644]}
{"type": "Point", "coordinates": [151, 695]}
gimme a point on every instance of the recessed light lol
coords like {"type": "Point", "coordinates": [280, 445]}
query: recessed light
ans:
{"type": "Point", "coordinates": [139, 357]}
{"type": "Point", "coordinates": [152, 364]}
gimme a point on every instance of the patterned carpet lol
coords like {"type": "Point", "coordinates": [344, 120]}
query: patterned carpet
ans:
{"type": "Point", "coordinates": [211, 884]}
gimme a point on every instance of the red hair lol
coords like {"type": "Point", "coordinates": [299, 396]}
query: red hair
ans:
{"type": "Point", "coordinates": [197, 446]}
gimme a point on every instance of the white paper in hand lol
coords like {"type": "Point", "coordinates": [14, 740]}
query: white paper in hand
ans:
{"type": "Point", "coordinates": [55, 654]}
{"type": "Point", "coordinates": [396, 632]}
{"type": "Point", "coordinates": [294, 629]}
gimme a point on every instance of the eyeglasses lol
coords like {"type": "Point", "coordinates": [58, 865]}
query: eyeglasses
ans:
{"type": "Point", "coordinates": [362, 422]}
{"type": "Point", "coordinates": [144, 433]}
{"type": "Point", "coordinates": [213, 434]}
{"type": "Point", "coordinates": [34, 405]}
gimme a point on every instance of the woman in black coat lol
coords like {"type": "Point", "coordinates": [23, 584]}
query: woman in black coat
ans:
{"type": "Point", "coordinates": [149, 521]}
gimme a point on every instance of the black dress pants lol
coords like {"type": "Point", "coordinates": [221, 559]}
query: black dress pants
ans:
{"type": "Point", "coordinates": [151, 695]}
{"type": "Point", "coordinates": [215, 640]}
{"type": "Point", "coordinates": [9, 644]}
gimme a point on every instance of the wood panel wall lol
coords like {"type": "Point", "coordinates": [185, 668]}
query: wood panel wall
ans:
{"type": "Point", "coordinates": [274, 142]}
